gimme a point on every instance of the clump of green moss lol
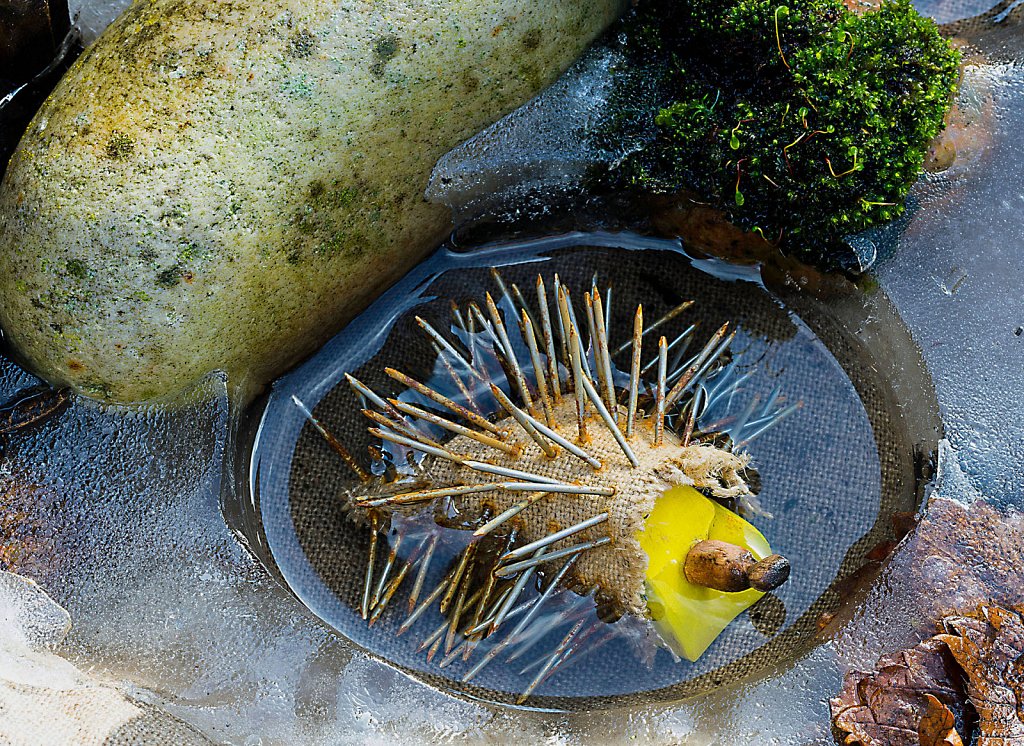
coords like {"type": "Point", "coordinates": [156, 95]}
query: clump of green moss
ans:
{"type": "Point", "coordinates": [804, 121]}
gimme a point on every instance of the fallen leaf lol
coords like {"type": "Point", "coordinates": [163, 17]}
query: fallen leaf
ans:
{"type": "Point", "coordinates": [938, 724]}
{"type": "Point", "coordinates": [990, 650]}
{"type": "Point", "coordinates": [914, 698]}
{"type": "Point", "coordinates": [961, 557]}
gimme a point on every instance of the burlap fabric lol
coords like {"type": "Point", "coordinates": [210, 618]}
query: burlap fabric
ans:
{"type": "Point", "coordinates": [617, 568]}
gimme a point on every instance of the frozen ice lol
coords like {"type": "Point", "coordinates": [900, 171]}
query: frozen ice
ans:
{"type": "Point", "coordinates": [92, 16]}
{"type": "Point", "coordinates": [542, 146]}
{"type": "Point", "coordinates": [956, 279]}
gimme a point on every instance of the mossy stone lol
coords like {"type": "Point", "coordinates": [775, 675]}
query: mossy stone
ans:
{"type": "Point", "coordinates": [222, 185]}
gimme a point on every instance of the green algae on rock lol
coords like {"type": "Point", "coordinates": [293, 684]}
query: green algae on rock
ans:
{"type": "Point", "coordinates": [222, 185]}
{"type": "Point", "coordinates": [802, 120]}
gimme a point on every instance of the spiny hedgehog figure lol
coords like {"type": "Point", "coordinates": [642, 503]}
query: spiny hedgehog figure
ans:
{"type": "Point", "coordinates": [558, 462]}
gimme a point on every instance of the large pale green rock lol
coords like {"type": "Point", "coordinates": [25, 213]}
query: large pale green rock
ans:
{"type": "Point", "coordinates": [221, 185]}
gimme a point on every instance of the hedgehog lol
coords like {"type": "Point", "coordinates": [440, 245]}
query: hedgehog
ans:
{"type": "Point", "coordinates": [560, 463]}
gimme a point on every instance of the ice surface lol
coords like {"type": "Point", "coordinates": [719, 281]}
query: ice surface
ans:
{"type": "Point", "coordinates": [31, 626]}
{"type": "Point", "coordinates": [169, 606]}
{"type": "Point", "coordinates": [540, 146]}
{"type": "Point", "coordinates": [92, 16]}
{"type": "Point", "coordinates": [957, 280]}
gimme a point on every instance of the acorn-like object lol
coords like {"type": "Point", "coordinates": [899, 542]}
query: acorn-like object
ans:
{"type": "Point", "coordinates": [731, 569]}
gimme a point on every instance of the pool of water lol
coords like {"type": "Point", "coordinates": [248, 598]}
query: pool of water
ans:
{"type": "Point", "coordinates": [833, 474]}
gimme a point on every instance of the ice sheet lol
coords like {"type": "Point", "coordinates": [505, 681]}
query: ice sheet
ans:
{"type": "Point", "coordinates": [92, 16]}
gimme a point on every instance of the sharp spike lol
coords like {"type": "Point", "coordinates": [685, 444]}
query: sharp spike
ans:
{"type": "Point", "coordinates": [736, 430]}
{"type": "Point", "coordinates": [565, 489]}
{"type": "Point", "coordinates": [333, 442]}
{"type": "Point", "coordinates": [505, 609]}
{"type": "Point", "coordinates": [663, 320]}
{"type": "Point", "coordinates": [728, 386]}
{"type": "Point", "coordinates": [454, 654]}
{"type": "Point", "coordinates": [588, 302]}
{"type": "Point", "coordinates": [526, 327]}
{"type": "Point", "coordinates": [460, 604]}
{"type": "Point", "coordinates": [568, 445]}
{"type": "Point", "coordinates": [686, 336]}
{"type": "Point", "coordinates": [515, 568]}
{"type": "Point", "coordinates": [549, 340]}
{"type": "Point", "coordinates": [510, 449]}
{"type": "Point", "coordinates": [576, 325]}
{"type": "Point", "coordinates": [445, 345]}
{"type": "Point", "coordinates": [433, 639]}
{"type": "Point", "coordinates": [579, 642]}
{"type": "Point", "coordinates": [400, 426]}
{"type": "Point", "coordinates": [524, 421]}
{"type": "Point", "coordinates": [700, 375]}
{"type": "Point", "coordinates": [361, 388]}
{"type": "Point", "coordinates": [486, 468]}
{"type": "Point", "coordinates": [511, 512]}
{"type": "Point", "coordinates": [489, 619]}
{"type": "Point", "coordinates": [691, 419]}
{"type": "Point", "coordinates": [577, 377]}
{"type": "Point", "coordinates": [444, 401]}
{"type": "Point", "coordinates": [523, 305]}
{"type": "Point", "coordinates": [433, 596]}
{"type": "Point", "coordinates": [563, 321]}
{"type": "Point", "coordinates": [500, 282]}
{"type": "Point", "coordinates": [388, 565]}
{"type": "Point", "coordinates": [421, 574]}
{"type": "Point", "coordinates": [634, 370]}
{"type": "Point", "coordinates": [467, 395]}
{"type": "Point", "coordinates": [492, 579]}
{"type": "Point", "coordinates": [607, 637]}
{"type": "Point", "coordinates": [460, 568]}
{"type": "Point", "coordinates": [485, 324]}
{"type": "Point", "coordinates": [775, 420]}
{"type": "Point", "coordinates": [471, 340]}
{"type": "Point", "coordinates": [568, 614]}
{"type": "Point", "coordinates": [389, 592]}
{"type": "Point", "coordinates": [371, 561]}
{"type": "Point", "coordinates": [416, 445]}
{"type": "Point", "coordinates": [420, 496]}
{"type": "Point", "coordinates": [690, 374]}
{"type": "Point", "coordinates": [550, 662]}
{"type": "Point", "coordinates": [523, 623]}
{"type": "Point", "coordinates": [608, 313]}
{"type": "Point", "coordinates": [682, 347]}
{"type": "Point", "coordinates": [604, 367]}
{"type": "Point", "coordinates": [434, 648]}
{"type": "Point", "coordinates": [510, 354]}
{"type": "Point", "coordinates": [460, 321]}
{"type": "Point", "coordinates": [371, 396]}
{"type": "Point", "coordinates": [659, 400]}
{"type": "Point", "coordinates": [773, 397]}
{"type": "Point", "coordinates": [554, 537]}
{"type": "Point", "coordinates": [609, 421]}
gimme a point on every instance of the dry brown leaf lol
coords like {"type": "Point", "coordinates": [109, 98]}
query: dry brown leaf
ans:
{"type": "Point", "coordinates": [961, 571]}
{"type": "Point", "coordinates": [938, 724]}
{"type": "Point", "coordinates": [960, 557]}
{"type": "Point", "coordinates": [990, 650]}
{"type": "Point", "coordinates": [920, 697]}
{"type": "Point", "coordinates": [913, 698]}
